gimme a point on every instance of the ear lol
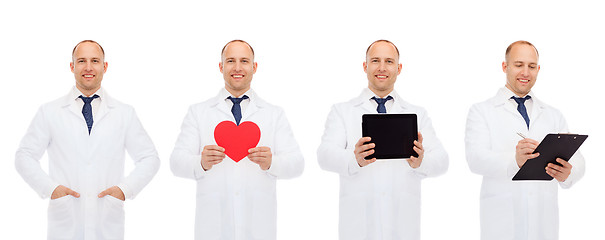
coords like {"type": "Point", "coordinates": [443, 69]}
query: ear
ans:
{"type": "Point", "coordinates": [254, 66]}
{"type": "Point", "coordinates": [71, 66]}
{"type": "Point", "coordinates": [504, 66]}
{"type": "Point", "coordinates": [399, 69]}
{"type": "Point", "coordinates": [365, 67]}
{"type": "Point", "coordinates": [220, 66]}
{"type": "Point", "coordinates": [105, 67]}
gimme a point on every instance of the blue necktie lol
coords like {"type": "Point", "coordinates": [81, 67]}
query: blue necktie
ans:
{"type": "Point", "coordinates": [237, 109]}
{"type": "Point", "coordinates": [381, 108]}
{"type": "Point", "coordinates": [87, 110]}
{"type": "Point", "coordinates": [521, 108]}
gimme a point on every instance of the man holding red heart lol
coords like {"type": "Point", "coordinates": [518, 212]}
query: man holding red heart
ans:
{"type": "Point", "coordinates": [379, 199]}
{"type": "Point", "coordinates": [235, 145]}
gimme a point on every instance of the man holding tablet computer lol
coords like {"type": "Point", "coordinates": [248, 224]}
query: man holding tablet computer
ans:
{"type": "Point", "coordinates": [379, 198]}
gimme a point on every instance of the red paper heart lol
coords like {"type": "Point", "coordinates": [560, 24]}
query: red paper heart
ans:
{"type": "Point", "coordinates": [236, 139]}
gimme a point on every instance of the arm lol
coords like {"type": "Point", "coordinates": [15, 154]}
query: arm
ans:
{"type": "Point", "coordinates": [185, 160]}
{"type": "Point", "coordinates": [481, 158]}
{"type": "Point", "coordinates": [287, 160]}
{"type": "Point", "coordinates": [333, 154]}
{"type": "Point", "coordinates": [145, 157]}
{"type": "Point", "coordinates": [435, 161]}
{"type": "Point", "coordinates": [27, 159]}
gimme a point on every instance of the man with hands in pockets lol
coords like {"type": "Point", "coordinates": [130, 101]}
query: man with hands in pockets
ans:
{"type": "Point", "coordinates": [86, 134]}
{"type": "Point", "coordinates": [379, 199]}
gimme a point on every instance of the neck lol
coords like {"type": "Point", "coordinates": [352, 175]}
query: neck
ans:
{"type": "Point", "coordinates": [381, 94]}
{"type": "Point", "coordinates": [87, 93]}
{"type": "Point", "coordinates": [516, 93]}
{"type": "Point", "coordinates": [237, 93]}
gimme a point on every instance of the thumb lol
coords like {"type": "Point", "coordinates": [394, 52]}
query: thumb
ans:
{"type": "Point", "coordinates": [104, 193]}
{"type": "Point", "coordinates": [72, 192]}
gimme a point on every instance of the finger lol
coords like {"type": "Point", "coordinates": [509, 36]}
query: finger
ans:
{"type": "Point", "coordinates": [551, 173]}
{"type": "Point", "coordinates": [419, 151]}
{"type": "Point", "coordinates": [259, 149]}
{"type": "Point", "coordinates": [420, 138]}
{"type": "Point", "coordinates": [214, 147]}
{"type": "Point", "coordinates": [370, 160]}
{"type": "Point", "coordinates": [565, 164]}
{"type": "Point", "coordinates": [366, 153]}
{"type": "Point", "coordinates": [362, 141]}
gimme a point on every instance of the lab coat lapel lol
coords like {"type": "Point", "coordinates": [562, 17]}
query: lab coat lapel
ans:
{"type": "Point", "coordinates": [364, 103]}
{"type": "Point", "coordinates": [106, 106]}
{"type": "Point", "coordinates": [537, 111]}
{"type": "Point", "coordinates": [255, 104]}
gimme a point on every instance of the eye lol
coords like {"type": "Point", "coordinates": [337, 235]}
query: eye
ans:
{"type": "Point", "coordinates": [230, 60]}
{"type": "Point", "coordinates": [390, 61]}
{"type": "Point", "coordinates": [95, 61]}
{"type": "Point", "coordinates": [80, 61]}
{"type": "Point", "coordinates": [245, 61]}
{"type": "Point", "coordinates": [374, 60]}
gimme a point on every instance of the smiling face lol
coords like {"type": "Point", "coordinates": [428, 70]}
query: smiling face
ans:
{"type": "Point", "coordinates": [382, 67]}
{"type": "Point", "coordinates": [521, 68]}
{"type": "Point", "coordinates": [88, 67]}
{"type": "Point", "coordinates": [237, 67]}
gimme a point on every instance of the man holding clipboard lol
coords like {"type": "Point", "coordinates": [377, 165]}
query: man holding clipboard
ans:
{"type": "Point", "coordinates": [379, 199]}
{"type": "Point", "coordinates": [501, 137]}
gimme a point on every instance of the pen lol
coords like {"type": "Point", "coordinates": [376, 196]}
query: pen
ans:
{"type": "Point", "coordinates": [523, 136]}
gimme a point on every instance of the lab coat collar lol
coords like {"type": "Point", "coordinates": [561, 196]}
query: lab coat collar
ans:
{"type": "Point", "coordinates": [107, 103]}
{"type": "Point", "coordinates": [255, 104]}
{"type": "Point", "coordinates": [503, 96]}
{"type": "Point", "coordinates": [399, 105]}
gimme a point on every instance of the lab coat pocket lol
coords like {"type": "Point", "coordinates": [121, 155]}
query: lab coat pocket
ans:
{"type": "Point", "coordinates": [112, 217]}
{"type": "Point", "coordinates": [264, 216]}
{"type": "Point", "coordinates": [61, 218]}
{"type": "Point", "coordinates": [208, 217]}
{"type": "Point", "coordinates": [353, 217]}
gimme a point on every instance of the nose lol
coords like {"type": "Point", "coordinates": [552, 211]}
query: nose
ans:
{"type": "Point", "coordinates": [525, 71]}
{"type": "Point", "coordinates": [88, 66]}
{"type": "Point", "coordinates": [382, 66]}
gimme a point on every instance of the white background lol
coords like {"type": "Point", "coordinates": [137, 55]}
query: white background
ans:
{"type": "Point", "coordinates": [164, 57]}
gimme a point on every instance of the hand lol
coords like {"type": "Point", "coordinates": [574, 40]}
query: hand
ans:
{"type": "Point", "coordinates": [261, 156]}
{"type": "Point", "coordinates": [558, 172]}
{"type": "Point", "coordinates": [363, 150]}
{"type": "Point", "coordinates": [416, 161]}
{"type": "Point", "coordinates": [114, 191]}
{"type": "Point", "coordinates": [524, 151]}
{"type": "Point", "coordinates": [212, 155]}
{"type": "Point", "coordinates": [62, 191]}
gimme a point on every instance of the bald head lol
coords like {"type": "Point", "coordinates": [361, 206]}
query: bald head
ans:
{"type": "Point", "coordinates": [382, 41]}
{"type": "Point", "coordinates": [520, 42]}
{"type": "Point", "coordinates": [87, 41]}
{"type": "Point", "coordinates": [239, 41]}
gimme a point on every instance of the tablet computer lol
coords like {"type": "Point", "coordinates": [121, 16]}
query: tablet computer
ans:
{"type": "Point", "coordinates": [552, 147]}
{"type": "Point", "coordinates": [393, 134]}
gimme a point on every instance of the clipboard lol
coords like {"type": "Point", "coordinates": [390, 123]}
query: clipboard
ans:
{"type": "Point", "coordinates": [553, 146]}
{"type": "Point", "coordinates": [393, 134]}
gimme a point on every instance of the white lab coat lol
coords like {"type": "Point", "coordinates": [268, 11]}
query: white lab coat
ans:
{"type": "Point", "coordinates": [88, 164]}
{"type": "Point", "coordinates": [514, 209]}
{"type": "Point", "coordinates": [382, 199]}
{"type": "Point", "coordinates": [235, 200]}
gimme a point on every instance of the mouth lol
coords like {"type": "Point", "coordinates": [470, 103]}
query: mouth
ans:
{"type": "Point", "coordinates": [88, 76]}
{"type": "Point", "coordinates": [523, 80]}
{"type": "Point", "coordinates": [380, 76]}
{"type": "Point", "coordinates": [237, 76]}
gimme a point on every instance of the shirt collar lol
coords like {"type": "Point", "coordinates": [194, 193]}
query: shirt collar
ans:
{"type": "Point", "coordinates": [75, 93]}
{"type": "Point", "coordinates": [367, 94]}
